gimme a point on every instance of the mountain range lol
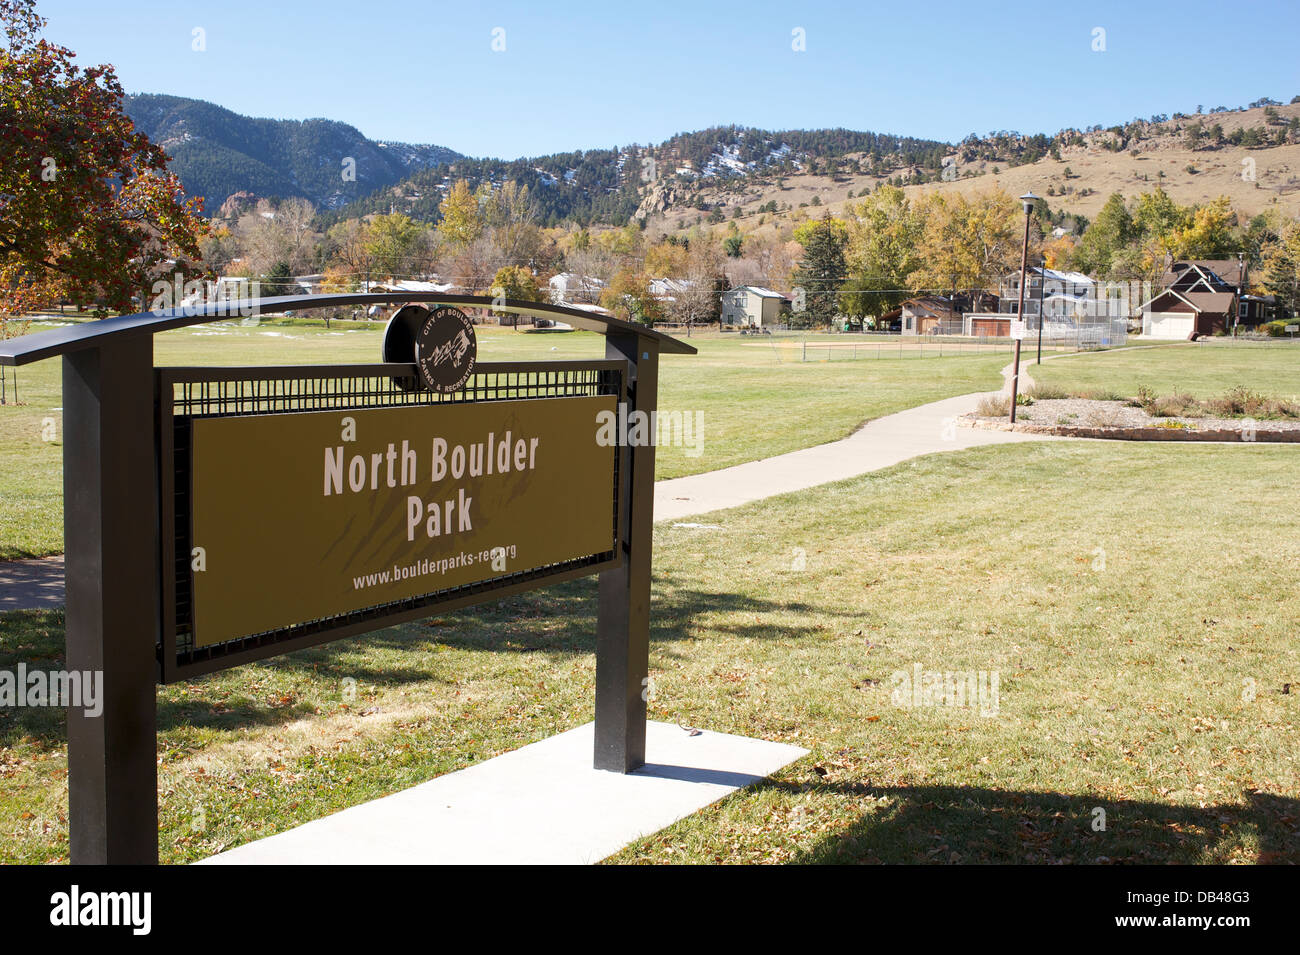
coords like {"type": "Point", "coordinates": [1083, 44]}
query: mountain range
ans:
{"type": "Point", "coordinates": [751, 175]}
{"type": "Point", "coordinates": [217, 152]}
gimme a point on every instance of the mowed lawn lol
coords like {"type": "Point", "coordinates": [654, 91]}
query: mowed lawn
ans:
{"type": "Point", "coordinates": [1201, 370]}
{"type": "Point", "coordinates": [1143, 640]}
{"type": "Point", "coordinates": [752, 404]}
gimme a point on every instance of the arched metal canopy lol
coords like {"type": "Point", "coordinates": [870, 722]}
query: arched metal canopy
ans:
{"type": "Point", "coordinates": [61, 341]}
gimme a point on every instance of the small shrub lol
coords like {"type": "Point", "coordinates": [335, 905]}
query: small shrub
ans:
{"type": "Point", "coordinates": [1175, 406]}
{"type": "Point", "coordinates": [994, 406]}
{"type": "Point", "coordinates": [1047, 393]}
{"type": "Point", "coordinates": [1024, 400]}
{"type": "Point", "coordinates": [1144, 398]}
{"type": "Point", "coordinates": [1241, 402]}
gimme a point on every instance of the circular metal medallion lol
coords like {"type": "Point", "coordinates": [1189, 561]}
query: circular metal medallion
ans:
{"type": "Point", "coordinates": [399, 341]}
{"type": "Point", "coordinates": [445, 349]}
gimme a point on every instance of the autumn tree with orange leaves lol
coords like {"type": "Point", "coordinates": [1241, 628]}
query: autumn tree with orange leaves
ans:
{"type": "Point", "coordinates": [88, 211]}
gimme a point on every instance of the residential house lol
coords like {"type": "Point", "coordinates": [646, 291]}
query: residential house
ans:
{"type": "Point", "coordinates": [1060, 295]}
{"type": "Point", "coordinates": [667, 290]}
{"type": "Point", "coordinates": [927, 315]}
{"type": "Point", "coordinates": [311, 284]}
{"type": "Point", "coordinates": [753, 306]}
{"type": "Point", "coordinates": [568, 288]}
{"type": "Point", "coordinates": [1226, 276]}
{"type": "Point", "coordinates": [1182, 316]}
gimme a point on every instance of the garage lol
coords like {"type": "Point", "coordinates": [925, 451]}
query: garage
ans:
{"type": "Point", "coordinates": [991, 327]}
{"type": "Point", "coordinates": [1175, 325]}
{"type": "Point", "coordinates": [1180, 316]}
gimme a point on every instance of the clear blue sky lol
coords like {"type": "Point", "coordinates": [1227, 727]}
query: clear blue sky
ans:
{"type": "Point", "coordinates": [582, 75]}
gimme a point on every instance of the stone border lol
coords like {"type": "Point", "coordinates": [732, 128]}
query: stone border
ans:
{"type": "Point", "coordinates": [1233, 435]}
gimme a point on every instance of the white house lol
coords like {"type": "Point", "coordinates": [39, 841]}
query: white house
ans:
{"type": "Point", "coordinates": [668, 289]}
{"type": "Point", "coordinates": [569, 287]}
{"type": "Point", "coordinates": [1063, 295]}
{"type": "Point", "coordinates": [752, 305]}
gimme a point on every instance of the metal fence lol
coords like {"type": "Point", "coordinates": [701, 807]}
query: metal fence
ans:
{"type": "Point", "coordinates": [1082, 333]}
{"type": "Point", "coordinates": [941, 340]}
{"type": "Point", "coordinates": [860, 347]}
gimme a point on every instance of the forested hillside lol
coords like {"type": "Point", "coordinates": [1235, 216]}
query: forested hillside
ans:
{"type": "Point", "coordinates": [217, 153]}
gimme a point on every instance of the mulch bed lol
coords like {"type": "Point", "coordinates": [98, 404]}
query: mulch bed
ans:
{"type": "Point", "coordinates": [1086, 418]}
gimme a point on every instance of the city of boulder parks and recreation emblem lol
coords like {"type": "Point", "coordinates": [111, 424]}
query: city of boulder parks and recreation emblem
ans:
{"type": "Point", "coordinates": [445, 349]}
{"type": "Point", "coordinates": [440, 341]}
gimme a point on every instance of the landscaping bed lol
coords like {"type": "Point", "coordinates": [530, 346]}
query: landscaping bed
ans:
{"type": "Point", "coordinates": [1240, 415]}
{"type": "Point", "coordinates": [1088, 418]}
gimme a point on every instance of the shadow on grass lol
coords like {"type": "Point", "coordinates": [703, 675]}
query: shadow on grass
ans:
{"type": "Point", "coordinates": [964, 825]}
{"type": "Point", "coordinates": [556, 620]}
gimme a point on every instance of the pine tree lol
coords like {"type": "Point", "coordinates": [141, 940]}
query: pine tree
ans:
{"type": "Point", "coordinates": [1282, 269]}
{"type": "Point", "coordinates": [821, 271]}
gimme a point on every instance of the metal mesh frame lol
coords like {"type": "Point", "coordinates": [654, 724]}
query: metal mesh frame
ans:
{"type": "Point", "coordinates": [185, 394]}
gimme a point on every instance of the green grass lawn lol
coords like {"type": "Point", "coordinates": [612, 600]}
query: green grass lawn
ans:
{"type": "Point", "coordinates": [1144, 642]}
{"type": "Point", "coordinates": [753, 404]}
{"type": "Point", "coordinates": [1205, 371]}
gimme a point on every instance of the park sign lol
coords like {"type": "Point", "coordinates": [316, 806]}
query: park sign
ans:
{"type": "Point", "coordinates": [216, 516]}
{"type": "Point", "coordinates": [361, 508]}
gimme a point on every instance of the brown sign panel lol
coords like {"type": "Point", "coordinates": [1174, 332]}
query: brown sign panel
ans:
{"type": "Point", "coordinates": [303, 516]}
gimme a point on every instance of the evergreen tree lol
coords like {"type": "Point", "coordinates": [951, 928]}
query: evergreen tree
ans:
{"type": "Point", "coordinates": [1282, 269]}
{"type": "Point", "coordinates": [821, 270]}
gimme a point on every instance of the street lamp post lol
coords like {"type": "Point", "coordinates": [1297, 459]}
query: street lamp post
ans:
{"type": "Point", "coordinates": [1042, 287]}
{"type": "Point", "coordinates": [1241, 271]}
{"type": "Point", "coordinates": [1028, 199]}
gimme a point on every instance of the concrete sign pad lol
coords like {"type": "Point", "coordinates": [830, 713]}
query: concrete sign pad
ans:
{"type": "Point", "coordinates": [542, 804]}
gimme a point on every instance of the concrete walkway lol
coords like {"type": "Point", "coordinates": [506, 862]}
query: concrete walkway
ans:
{"type": "Point", "coordinates": [929, 429]}
{"type": "Point", "coordinates": [31, 584]}
{"type": "Point", "coordinates": [539, 805]}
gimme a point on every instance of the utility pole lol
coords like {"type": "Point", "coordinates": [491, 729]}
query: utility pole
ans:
{"type": "Point", "coordinates": [1028, 199]}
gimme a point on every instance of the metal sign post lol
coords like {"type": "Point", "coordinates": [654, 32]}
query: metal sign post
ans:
{"type": "Point", "coordinates": [131, 433]}
{"type": "Point", "coordinates": [111, 541]}
{"type": "Point", "coordinates": [623, 622]}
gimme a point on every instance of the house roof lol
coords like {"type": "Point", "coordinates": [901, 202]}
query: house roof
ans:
{"type": "Point", "coordinates": [1212, 272]}
{"type": "Point", "coordinates": [935, 305]}
{"type": "Point", "coordinates": [667, 286]}
{"type": "Point", "coordinates": [1214, 303]}
{"type": "Point", "coordinates": [565, 279]}
{"type": "Point", "coordinates": [1054, 275]}
{"type": "Point", "coordinates": [1227, 269]}
{"type": "Point", "coordinates": [1073, 278]}
{"type": "Point", "coordinates": [410, 285]}
{"type": "Point", "coordinates": [758, 290]}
